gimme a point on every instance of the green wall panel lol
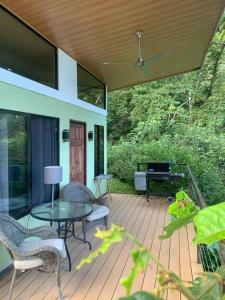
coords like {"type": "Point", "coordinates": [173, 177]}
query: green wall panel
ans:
{"type": "Point", "coordinates": [18, 99]}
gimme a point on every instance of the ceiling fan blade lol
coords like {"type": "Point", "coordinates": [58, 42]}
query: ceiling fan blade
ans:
{"type": "Point", "coordinates": [146, 70]}
{"type": "Point", "coordinates": [154, 58]}
{"type": "Point", "coordinates": [115, 63]}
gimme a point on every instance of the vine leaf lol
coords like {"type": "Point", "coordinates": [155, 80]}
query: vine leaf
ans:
{"type": "Point", "coordinates": [183, 206]}
{"type": "Point", "coordinates": [221, 272]}
{"type": "Point", "coordinates": [141, 296]}
{"type": "Point", "coordinates": [176, 224]}
{"type": "Point", "coordinates": [140, 259]}
{"type": "Point", "coordinates": [206, 287]}
{"type": "Point", "coordinates": [210, 225]}
{"type": "Point", "coordinates": [114, 235]}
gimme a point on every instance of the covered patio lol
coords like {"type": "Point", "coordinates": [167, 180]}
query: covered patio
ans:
{"type": "Point", "coordinates": [97, 39]}
{"type": "Point", "coordinates": [100, 280]}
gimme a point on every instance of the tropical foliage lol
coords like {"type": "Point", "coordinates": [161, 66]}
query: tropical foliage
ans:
{"type": "Point", "coordinates": [180, 119]}
{"type": "Point", "coordinates": [183, 206]}
{"type": "Point", "coordinates": [210, 225]}
{"type": "Point", "coordinates": [208, 222]}
{"type": "Point", "coordinates": [206, 286]}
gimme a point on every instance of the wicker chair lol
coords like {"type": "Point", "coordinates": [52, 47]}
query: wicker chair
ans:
{"type": "Point", "coordinates": [44, 254]}
{"type": "Point", "coordinates": [75, 191]}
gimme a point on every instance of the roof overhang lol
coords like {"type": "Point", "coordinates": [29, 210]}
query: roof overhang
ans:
{"type": "Point", "coordinates": [98, 31]}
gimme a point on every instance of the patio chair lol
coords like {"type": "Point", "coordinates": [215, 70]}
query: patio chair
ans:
{"type": "Point", "coordinates": [75, 191]}
{"type": "Point", "coordinates": [44, 253]}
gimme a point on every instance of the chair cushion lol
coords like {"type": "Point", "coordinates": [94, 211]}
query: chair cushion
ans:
{"type": "Point", "coordinates": [34, 261]}
{"type": "Point", "coordinates": [28, 263]}
{"type": "Point", "coordinates": [56, 243]}
{"type": "Point", "coordinates": [99, 211]}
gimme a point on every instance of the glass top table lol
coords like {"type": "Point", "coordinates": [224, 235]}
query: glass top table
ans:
{"type": "Point", "coordinates": [62, 211]}
{"type": "Point", "coordinates": [66, 212]}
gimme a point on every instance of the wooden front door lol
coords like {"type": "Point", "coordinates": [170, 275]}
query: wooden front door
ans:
{"type": "Point", "coordinates": [77, 152]}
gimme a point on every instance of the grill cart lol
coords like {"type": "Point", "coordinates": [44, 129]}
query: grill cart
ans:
{"type": "Point", "coordinates": [155, 171]}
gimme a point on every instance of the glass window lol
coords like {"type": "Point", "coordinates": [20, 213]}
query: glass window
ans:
{"type": "Point", "coordinates": [28, 143]}
{"type": "Point", "coordinates": [99, 149]}
{"type": "Point", "coordinates": [90, 88]}
{"type": "Point", "coordinates": [13, 164]}
{"type": "Point", "coordinates": [25, 52]}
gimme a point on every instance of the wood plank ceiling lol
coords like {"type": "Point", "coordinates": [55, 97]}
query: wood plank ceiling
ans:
{"type": "Point", "coordinates": [98, 31]}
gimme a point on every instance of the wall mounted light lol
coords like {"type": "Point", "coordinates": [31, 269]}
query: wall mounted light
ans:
{"type": "Point", "coordinates": [66, 135]}
{"type": "Point", "coordinates": [90, 135]}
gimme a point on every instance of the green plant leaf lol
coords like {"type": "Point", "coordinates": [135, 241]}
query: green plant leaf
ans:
{"type": "Point", "coordinates": [183, 205]}
{"type": "Point", "coordinates": [207, 287]}
{"type": "Point", "coordinates": [141, 296]}
{"type": "Point", "coordinates": [181, 195]}
{"type": "Point", "coordinates": [109, 237]}
{"type": "Point", "coordinates": [221, 272]}
{"type": "Point", "coordinates": [210, 224]}
{"type": "Point", "coordinates": [140, 259]}
{"type": "Point", "coordinates": [176, 224]}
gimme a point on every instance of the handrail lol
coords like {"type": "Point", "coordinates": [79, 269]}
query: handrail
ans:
{"type": "Point", "coordinates": [210, 258]}
{"type": "Point", "coordinates": [192, 181]}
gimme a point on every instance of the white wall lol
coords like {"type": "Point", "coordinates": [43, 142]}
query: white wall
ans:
{"type": "Point", "coordinates": [67, 83]}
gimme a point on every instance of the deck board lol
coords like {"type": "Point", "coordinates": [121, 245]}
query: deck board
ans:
{"type": "Point", "coordinates": [101, 279]}
{"type": "Point", "coordinates": [174, 263]}
{"type": "Point", "coordinates": [156, 208]}
{"type": "Point", "coordinates": [125, 261]}
{"type": "Point", "coordinates": [150, 274]}
{"type": "Point", "coordinates": [114, 256]}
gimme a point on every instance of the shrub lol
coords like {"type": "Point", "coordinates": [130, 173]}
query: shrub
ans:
{"type": "Point", "coordinates": [124, 156]}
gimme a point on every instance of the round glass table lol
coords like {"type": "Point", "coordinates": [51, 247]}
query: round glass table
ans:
{"type": "Point", "coordinates": [66, 212]}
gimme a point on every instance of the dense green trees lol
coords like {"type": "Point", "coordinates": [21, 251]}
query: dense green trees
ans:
{"type": "Point", "coordinates": [181, 119]}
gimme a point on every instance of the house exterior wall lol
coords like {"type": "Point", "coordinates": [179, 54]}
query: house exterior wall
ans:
{"type": "Point", "coordinates": [23, 95]}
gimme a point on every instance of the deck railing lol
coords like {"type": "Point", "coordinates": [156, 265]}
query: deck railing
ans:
{"type": "Point", "coordinates": [208, 256]}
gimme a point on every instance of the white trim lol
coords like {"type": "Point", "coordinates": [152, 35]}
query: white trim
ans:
{"type": "Point", "coordinates": [67, 78]}
{"type": "Point", "coordinates": [90, 106]}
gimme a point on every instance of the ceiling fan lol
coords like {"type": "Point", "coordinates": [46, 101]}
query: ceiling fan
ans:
{"type": "Point", "coordinates": [140, 62]}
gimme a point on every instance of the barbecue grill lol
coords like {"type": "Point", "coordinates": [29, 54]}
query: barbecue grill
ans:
{"type": "Point", "coordinates": [159, 171]}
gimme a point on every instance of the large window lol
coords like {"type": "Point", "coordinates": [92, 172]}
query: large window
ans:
{"type": "Point", "coordinates": [27, 144]}
{"type": "Point", "coordinates": [90, 88]}
{"type": "Point", "coordinates": [25, 52]}
{"type": "Point", "coordinates": [99, 149]}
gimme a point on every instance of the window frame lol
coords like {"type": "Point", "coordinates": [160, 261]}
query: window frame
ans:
{"type": "Point", "coordinates": [104, 90]}
{"type": "Point", "coordinates": [29, 149]}
{"type": "Point", "coordinates": [56, 77]}
{"type": "Point", "coordinates": [97, 159]}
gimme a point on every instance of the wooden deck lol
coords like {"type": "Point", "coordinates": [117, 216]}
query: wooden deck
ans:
{"type": "Point", "coordinates": [100, 280]}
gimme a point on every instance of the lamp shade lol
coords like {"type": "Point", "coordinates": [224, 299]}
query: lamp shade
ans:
{"type": "Point", "coordinates": [52, 174]}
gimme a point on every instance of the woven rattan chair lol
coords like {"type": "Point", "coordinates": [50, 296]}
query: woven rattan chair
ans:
{"type": "Point", "coordinates": [75, 191]}
{"type": "Point", "coordinates": [45, 253]}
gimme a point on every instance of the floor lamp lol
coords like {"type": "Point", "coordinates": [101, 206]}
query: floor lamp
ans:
{"type": "Point", "coordinates": [52, 175]}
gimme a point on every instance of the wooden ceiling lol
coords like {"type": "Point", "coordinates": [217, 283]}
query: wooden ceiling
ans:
{"type": "Point", "coordinates": [98, 31]}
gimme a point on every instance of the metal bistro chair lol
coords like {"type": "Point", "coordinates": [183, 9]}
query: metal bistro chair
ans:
{"type": "Point", "coordinates": [45, 253]}
{"type": "Point", "coordinates": [75, 191]}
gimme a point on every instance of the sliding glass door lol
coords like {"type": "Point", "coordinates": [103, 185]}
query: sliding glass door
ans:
{"type": "Point", "coordinates": [13, 164]}
{"type": "Point", "coordinates": [28, 143]}
{"type": "Point", "coordinates": [44, 152]}
{"type": "Point", "coordinates": [99, 149]}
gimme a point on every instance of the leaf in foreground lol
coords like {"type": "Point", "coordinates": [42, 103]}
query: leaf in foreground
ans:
{"type": "Point", "coordinates": [207, 287]}
{"type": "Point", "coordinates": [109, 237]}
{"type": "Point", "coordinates": [221, 272]}
{"type": "Point", "coordinates": [183, 206]}
{"type": "Point", "coordinates": [210, 224]}
{"type": "Point", "coordinates": [140, 259]}
{"type": "Point", "coordinates": [141, 296]}
{"type": "Point", "coordinates": [176, 224]}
